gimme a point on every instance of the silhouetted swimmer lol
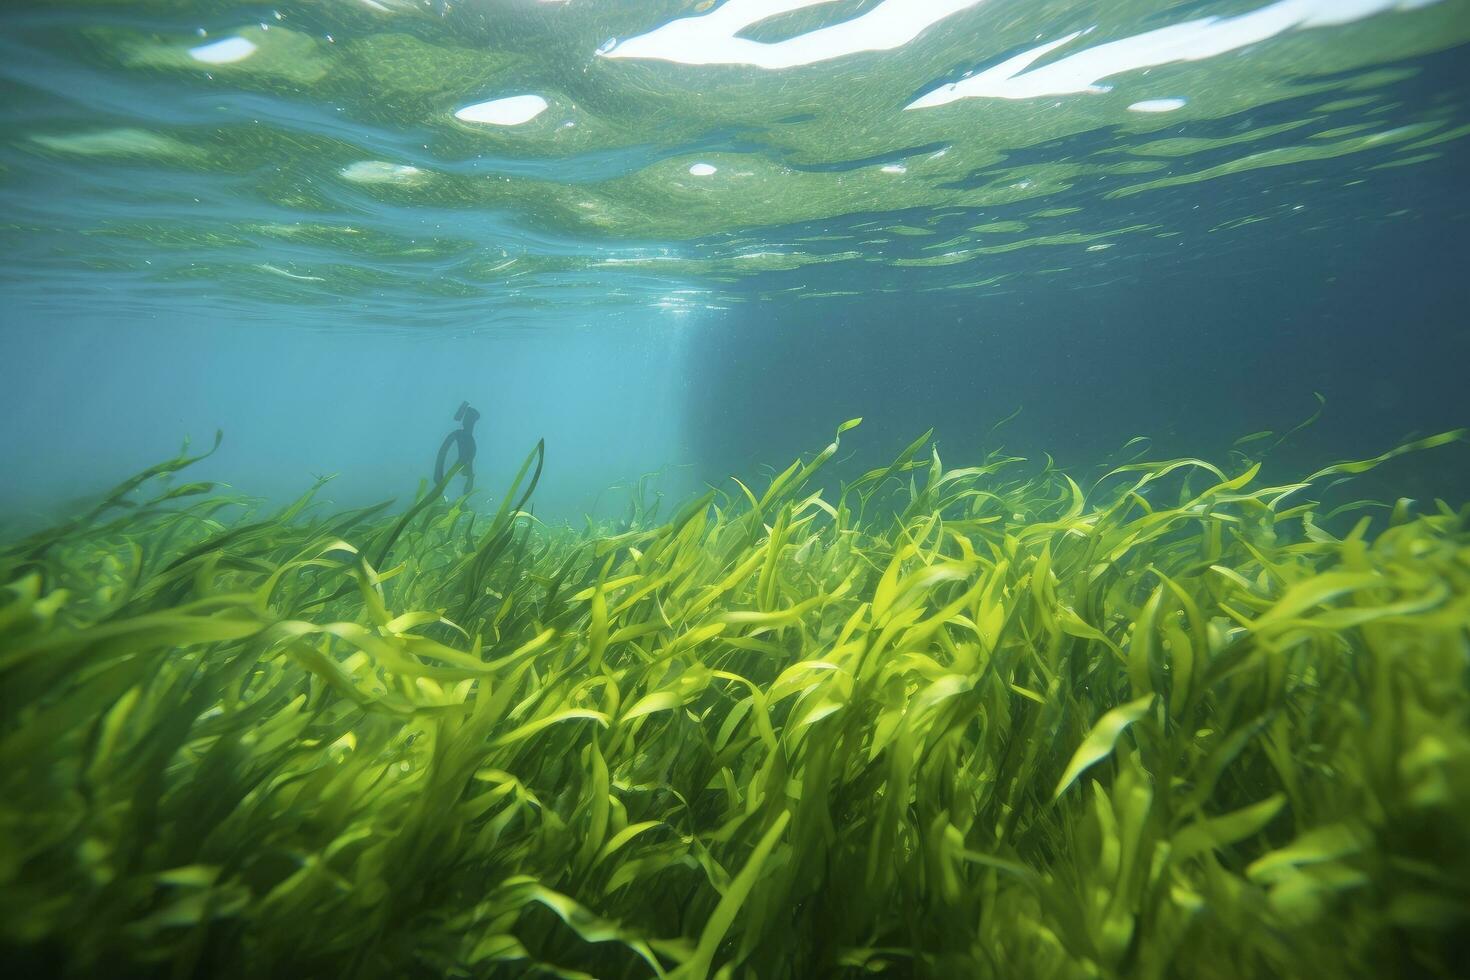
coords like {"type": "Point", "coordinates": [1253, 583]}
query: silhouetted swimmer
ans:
{"type": "Point", "coordinates": [464, 438]}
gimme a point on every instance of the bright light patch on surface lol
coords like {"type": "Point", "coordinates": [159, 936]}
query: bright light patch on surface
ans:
{"type": "Point", "coordinates": [1158, 105]}
{"type": "Point", "coordinates": [711, 39]}
{"type": "Point", "coordinates": [225, 52]}
{"type": "Point", "coordinates": [512, 111]}
{"type": "Point", "coordinates": [123, 142]}
{"type": "Point", "coordinates": [380, 172]}
{"type": "Point", "coordinates": [703, 170]}
{"type": "Point", "coordinates": [266, 266]}
{"type": "Point", "coordinates": [895, 168]}
{"type": "Point", "coordinates": [390, 6]}
{"type": "Point", "coordinates": [678, 305]}
{"type": "Point", "coordinates": [1193, 40]}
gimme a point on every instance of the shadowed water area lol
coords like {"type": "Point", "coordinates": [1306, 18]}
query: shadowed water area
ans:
{"type": "Point", "coordinates": [1121, 629]}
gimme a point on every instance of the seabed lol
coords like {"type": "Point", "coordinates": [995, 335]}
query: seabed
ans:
{"type": "Point", "coordinates": [995, 721]}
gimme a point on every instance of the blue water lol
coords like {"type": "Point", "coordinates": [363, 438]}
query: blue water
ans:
{"type": "Point", "coordinates": [698, 268]}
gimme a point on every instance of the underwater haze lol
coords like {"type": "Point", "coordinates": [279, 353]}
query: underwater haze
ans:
{"type": "Point", "coordinates": [1113, 619]}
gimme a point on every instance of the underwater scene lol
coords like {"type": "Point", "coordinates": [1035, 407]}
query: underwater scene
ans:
{"type": "Point", "coordinates": [735, 489]}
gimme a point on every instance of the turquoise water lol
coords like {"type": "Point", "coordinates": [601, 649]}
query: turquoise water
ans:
{"type": "Point", "coordinates": [322, 225]}
{"type": "Point", "coordinates": [1159, 672]}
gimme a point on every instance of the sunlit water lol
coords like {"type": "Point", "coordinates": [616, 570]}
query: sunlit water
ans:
{"type": "Point", "coordinates": [560, 171]}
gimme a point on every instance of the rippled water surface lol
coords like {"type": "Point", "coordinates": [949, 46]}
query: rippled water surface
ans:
{"type": "Point", "coordinates": [431, 163]}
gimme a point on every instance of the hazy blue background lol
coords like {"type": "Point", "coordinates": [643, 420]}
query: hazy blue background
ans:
{"type": "Point", "coordinates": [86, 403]}
{"type": "Point", "coordinates": [1191, 351]}
{"type": "Point", "coordinates": [192, 247]}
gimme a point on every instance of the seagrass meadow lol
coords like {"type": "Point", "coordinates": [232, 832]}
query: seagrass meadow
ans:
{"type": "Point", "coordinates": [1171, 719]}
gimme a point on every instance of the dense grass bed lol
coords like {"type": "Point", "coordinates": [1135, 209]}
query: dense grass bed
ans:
{"type": "Point", "coordinates": [994, 721]}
